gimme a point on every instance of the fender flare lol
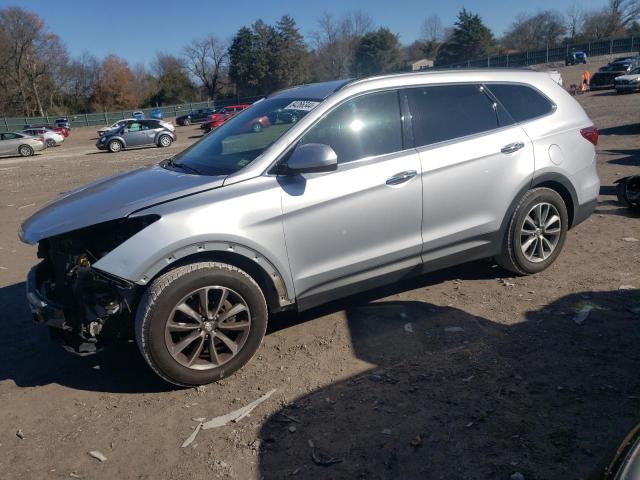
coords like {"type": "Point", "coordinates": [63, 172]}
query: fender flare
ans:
{"type": "Point", "coordinates": [285, 296]}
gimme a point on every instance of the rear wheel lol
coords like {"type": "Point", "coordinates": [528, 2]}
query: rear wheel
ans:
{"type": "Point", "coordinates": [25, 150]}
{"type": "Point", "coordinates": [51, 142]}
{"type": "Point", "coordinates": [115, 146]}
{"type": "Point", "coordinates": [256, 127]}
{"type": "Point", "coordinates": [200, 322]}
{"type": "Point", "coordinates": [186, 122]}
{"type": "Point", "coordinates": [536, 232]}
{"type": "Point", "coordinates": [165, 141]}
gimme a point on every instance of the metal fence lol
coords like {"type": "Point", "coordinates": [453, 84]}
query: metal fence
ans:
{"type": "Point", "coordinates": [107, 118]}
{"type": "Point", "coordinates": [553, 54]}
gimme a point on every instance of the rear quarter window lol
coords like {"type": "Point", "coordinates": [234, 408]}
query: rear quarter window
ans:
{"type": "Point", "coordinates": [521, 101]}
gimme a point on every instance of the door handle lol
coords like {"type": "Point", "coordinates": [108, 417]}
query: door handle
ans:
{"type": "Point", "coordinates": [512, 147]}
{"type": "Point", "coordinates": [401, 177]}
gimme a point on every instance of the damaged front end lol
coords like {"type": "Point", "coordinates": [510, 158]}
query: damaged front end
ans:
{"type": "Point", "coordinates": [83, 306]}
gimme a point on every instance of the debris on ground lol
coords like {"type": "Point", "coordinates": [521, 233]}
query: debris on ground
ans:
{"type": "Point", "coordinates": [223, 420]}
{"type": "Point", "coordinates": [408, 327]}
{"type": "Point", "coordinates": [322, 458]}
{"type": "Point", "coordinates": [582, 314]}
{"type": "Point", "coordinates": [630, 239]}
{"type": "Point", "coordinates": [417, 441]}
{"type": "Point", "coordinates": [507, 283]}
{"type": "Point", "coordinates": [453, 329]}
{"type": "Point", "coordinates": [192, 437]}
{"type": "Point", "coordinates": [20, 434]}
{"type": "Point", "coordinates": [74, 475]}
{"type": "Point", "coordinates": [98, 455]}
{"type": "Point", "coordinates": [626, 287]}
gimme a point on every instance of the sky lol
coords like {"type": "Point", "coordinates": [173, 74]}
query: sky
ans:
{"type": "Point", "coordinates": [136, 30]}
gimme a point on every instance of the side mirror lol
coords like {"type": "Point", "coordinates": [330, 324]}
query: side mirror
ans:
{"type": "Point", "coordinates": [313, 157]}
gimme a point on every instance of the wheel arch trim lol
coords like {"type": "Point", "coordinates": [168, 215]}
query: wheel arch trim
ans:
{"type": "Point", "coordinates": [211, 248]}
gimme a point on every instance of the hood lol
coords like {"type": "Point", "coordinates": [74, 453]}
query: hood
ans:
{"type": "Point", "coordinates": [111, 198]}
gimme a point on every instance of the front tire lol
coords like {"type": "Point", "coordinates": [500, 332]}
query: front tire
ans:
{"type": "Point", "coordinates": [51, 142]}
{"type": "Point", "coordinates": [536, 232]}
{"type": "Point", "coordinates": [200, 322]}
{"type": "Point", "coordinates": [186, 122]}
{"type": "Point", "coordinates": [115, 146]}
{"type": "Point", "coordinates": [256, 127]}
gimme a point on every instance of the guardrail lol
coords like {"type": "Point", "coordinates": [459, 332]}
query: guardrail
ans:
{"type": "Point", "coordinates": [107, 118]}
{"type": "Point", "coordinates": [553, 54]}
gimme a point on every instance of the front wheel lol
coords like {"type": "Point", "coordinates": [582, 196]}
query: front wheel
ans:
{"type": "Point", "coordinates": [186, 122]}
{"type": "Point", "coordinates": [51, 142]}
{"type": "Point", "coordinates": [536, 232]}
{"type": "Point", "coordinates": [115, 146]}
{"type": "Point", "coordinates": [200, 322]}
{"type": "Point", "coordinates": [256, 127]}
{"type": "Point", "coordinates": [165, 141]}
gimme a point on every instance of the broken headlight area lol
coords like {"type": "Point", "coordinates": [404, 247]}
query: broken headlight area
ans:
{"type": "Point", "coordinates": [84, 306]}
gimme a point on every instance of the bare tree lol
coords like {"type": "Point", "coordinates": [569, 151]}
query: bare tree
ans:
{"type": "Point", "coordinates": [535, 31]}
{"type": "Point", "coordinates": [575, 16]}
{"type": "Point", "coordinates": [335, 43]}
{"type": "Point", "coordinates": [207, 60]}
{"type": "Point", "coordinates": [432, 29]}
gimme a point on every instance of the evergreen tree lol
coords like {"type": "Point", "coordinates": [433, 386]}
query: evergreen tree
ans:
{"type": "Point", "coordinates": [243, 59]}
{"type": "Point", "coordinates": [378, 52]}
{"type": "Point", "coordinates": [293, 57]}
{"type": "Point", "coordinates": [470, 39]}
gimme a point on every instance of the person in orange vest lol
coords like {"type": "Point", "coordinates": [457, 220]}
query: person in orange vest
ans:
{"type": "Point", "coordinates": [586, 76]}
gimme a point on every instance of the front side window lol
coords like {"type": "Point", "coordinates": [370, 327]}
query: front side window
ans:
{"type": "Point", "coordinates": [445, 112]}
{"type": "Point", "coordinates": [242, 138]}
{"type": "Point", "coordinates": [365, 126]}
{"type": "Point", "coordinates": [521, 101]}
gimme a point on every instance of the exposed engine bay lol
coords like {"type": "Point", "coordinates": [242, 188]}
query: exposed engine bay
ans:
{"type": "Point", "coordinates": [83, 306]}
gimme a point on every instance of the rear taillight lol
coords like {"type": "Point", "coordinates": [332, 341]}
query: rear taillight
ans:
{"type": "Point", "coordinates": [591, 134]}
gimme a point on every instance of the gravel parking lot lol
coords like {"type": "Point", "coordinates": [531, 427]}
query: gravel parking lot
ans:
{"type": "Point", "coordinates": [466, 373]}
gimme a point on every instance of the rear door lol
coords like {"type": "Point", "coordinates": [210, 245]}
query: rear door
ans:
{"type": "Point", "coordinates": [362, 220]}
{"type": "Point", "coordinates": [474, 160]}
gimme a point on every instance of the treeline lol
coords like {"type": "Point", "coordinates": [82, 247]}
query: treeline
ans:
{"type": "Point", "coordinates": [38, 76]}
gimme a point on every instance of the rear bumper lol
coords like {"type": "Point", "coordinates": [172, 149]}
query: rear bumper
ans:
{"type": "Point", "coordinates": [583, 212]}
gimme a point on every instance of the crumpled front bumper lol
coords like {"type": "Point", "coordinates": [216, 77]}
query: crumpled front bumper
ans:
{"type": "Point", "coordinates": [52, 314]}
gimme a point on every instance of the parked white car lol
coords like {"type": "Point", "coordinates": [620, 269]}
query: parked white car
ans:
{"type": "Point", "coordinates": [15, 143]}
{"type": "Point", "coordinates": [51, 137]}
{"type": "Point", "coordinates": [629, 82]}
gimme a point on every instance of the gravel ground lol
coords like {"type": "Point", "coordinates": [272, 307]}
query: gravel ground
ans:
{"type": "Point", "coordinates": [466, 373]}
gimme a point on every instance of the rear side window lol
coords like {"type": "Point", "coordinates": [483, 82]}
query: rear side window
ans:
{"type": "Point", "coordinates": [365, 126]}
{"type": "Point", "coordinates": [521, 101]}
{"type": "Point", "coordinates": [445, 112]}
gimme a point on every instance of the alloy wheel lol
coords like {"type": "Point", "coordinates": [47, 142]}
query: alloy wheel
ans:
{"type": "Point", "coordinates": [540, 232]}
{"type": "Point", "coordinates": [208, 327]}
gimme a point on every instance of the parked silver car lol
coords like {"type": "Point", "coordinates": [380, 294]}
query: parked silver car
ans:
{"type": "Point", "coordinates": [137, 133]}
{"type": "Point", "coordinates": [378, 179]}
{"type": "Point", "coordinates": [15, 143]}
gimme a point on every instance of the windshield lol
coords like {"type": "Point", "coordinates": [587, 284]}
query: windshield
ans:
{"type": "Point", "coordinates": [244, 137]}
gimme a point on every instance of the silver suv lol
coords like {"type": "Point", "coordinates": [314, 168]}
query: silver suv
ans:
{"type": "Point", "coordinates": [378, 179]}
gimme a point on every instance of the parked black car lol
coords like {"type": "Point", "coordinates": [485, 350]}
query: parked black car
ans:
{"type": "Point", "coordinates": [604, 78]}
{"type": "Point", "coordinates": [195, 116]}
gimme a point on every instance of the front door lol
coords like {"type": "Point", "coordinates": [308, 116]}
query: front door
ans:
{"type": "Point", "coordinates": [362, 220]}
{"type": "Point", "coordinates": [135, 134]}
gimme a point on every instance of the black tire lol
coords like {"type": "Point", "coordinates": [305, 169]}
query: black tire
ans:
{"type": "Point", "coordinates": [51, 142]}
{"type": "Point", "coordinates": [25, 150]}
{"type": "Point", "coordinates": [512, 258]}
{"type": "Point", "coordinates": [167, 291]}
{"type": "Point", "coordinates": [115, 146]}
{"type": "Point", "coordinates": [164, 141]}
{"type": "Point", "coordinates": [256, 127]}
{"type": "Point", "coordinates": [186, 122]}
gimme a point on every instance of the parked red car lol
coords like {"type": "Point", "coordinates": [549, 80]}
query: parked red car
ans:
{"type": "Point", "coordinates": [220, 116]}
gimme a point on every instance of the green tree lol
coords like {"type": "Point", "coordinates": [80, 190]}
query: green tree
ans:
{"type": "Point", "coordinates": [174, 84]}
{"type": "Point", "coordinates": [378, 52]}
{"type": "Point", "coordinates": [292, 54]}
{"type": "Point", "coordinates": [243, 62]}
{"type": "Point", "coordinates": [470, 39]}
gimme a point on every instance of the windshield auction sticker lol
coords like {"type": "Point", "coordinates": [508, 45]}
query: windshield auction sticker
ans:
{"type": "Point", "coordinates": [304, 105]}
